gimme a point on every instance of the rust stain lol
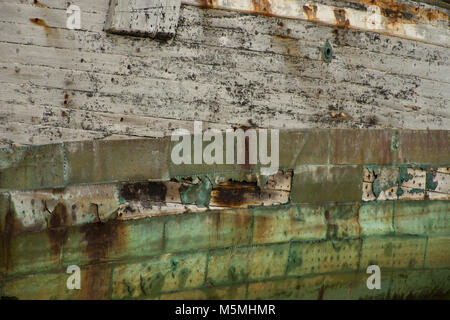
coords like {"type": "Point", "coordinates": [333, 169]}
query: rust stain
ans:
{"type": "Point", "coordinates": [57, 229]}
{"type": "Point", "coordinates": [209, 3]}
{"type": "Point", "coordinates": [39, 22]}
{"type": "Point", "coordinates": [321, 292]}
{"type": "Point", "coordinates": [264, 223]}
{"type": "Point", "coordinates": [38, 4]}
{"type": "Point", "coordinates": [66, 98]}
{"type": "Point", "coordinates": [405, 12]}
{"type": "Point", "coordinates": [7, 236]}
{"type": "Point", "coordinates": [102, 241]}
{"type": "Point", "coordinates": [51, 33]}
{"type": "Point", "coordinates": [103, 237]}
{"type": "Point", "coordinates": [96, 282]}
{"type": "Point", "coordinates": [341, 18]}
{"type": "Point", "coordinates": [310, 11]}
{"type": "Point", "coordinates": [262, 7]}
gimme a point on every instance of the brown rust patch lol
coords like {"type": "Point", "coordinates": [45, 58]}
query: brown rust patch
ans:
{"type": "Point", "coordinates": [96, 282]}
{"type": "Point", "coordinates": [66, 98]}
{"type": "Point", "coordinates": [51, 33]}
{"type": "Point", "coordinates": [341, 18]}
{"type": "Point", "coordinates": [7, 236]}
{"type": "Point", "coordinates": [104, 238]}
{"type": "Point", "coordinates": [57, 229]}
{"type": "Point", "coordinates": [262, 7]}
{"type": "Point", "coordinates": [406, 12]}
{"type": "Point", "coordinates": [310, 10]}
{"type": "Point", "coordinates": [39, 22]}
{"type": "Point", "coordinates": [38, 4]}
{"type": "Point", "coordinates": [208, 3]}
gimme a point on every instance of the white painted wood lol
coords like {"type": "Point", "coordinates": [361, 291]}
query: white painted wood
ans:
{"type": "Point", "coordinates": [223, 67]}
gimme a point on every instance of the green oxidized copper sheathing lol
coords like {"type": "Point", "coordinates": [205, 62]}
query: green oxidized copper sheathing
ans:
{"type": "Point", "coordinates": [327, 52]}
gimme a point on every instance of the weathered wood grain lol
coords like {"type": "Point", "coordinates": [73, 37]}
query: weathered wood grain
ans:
{"type": "Point", "coordinates": [223, 67]}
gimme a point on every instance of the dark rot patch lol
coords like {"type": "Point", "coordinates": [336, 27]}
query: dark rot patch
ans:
{"type": "Point", "coordinates": [232, 193]}
{"type": "Point", "coordinates": [144, 191]}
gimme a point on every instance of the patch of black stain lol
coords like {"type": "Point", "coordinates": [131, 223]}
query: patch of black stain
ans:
{"type": "Point", "coordinates": [396, 14]}
{"type": "Point", "coordinates": [233, 193]}
{"type": "Point", "coordinates": [146, 192]}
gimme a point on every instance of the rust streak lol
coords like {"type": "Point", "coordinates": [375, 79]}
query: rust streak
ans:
{"type": "Point", "coordinates": [39, 22]}
{"type": "Point", "coordinates": [38, 4]}
{"type": "Point", "coordinates": [57, 229]}
{"type": "Point", "coordinates": [209, 3]}
{"type": "Point", "coordinates": [310, 11]}
{"type": "Point", "coordinates": [391, 6]}
{"type": "Point", "coordinates": [341, 18]}
{"type": "Point", "coordinates": [262, 7]}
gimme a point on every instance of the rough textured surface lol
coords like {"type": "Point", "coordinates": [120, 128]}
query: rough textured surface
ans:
{"type": "Point", "coordinates": [141, 239]}
{"type": "Point", "coordinates": [142, 227]}
{"type": "Point", "coordinates": [223, 67]}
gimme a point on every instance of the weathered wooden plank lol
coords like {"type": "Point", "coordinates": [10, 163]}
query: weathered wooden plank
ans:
{"type": "Point", "coordinates": [313, 33]}
{"type": "Point", "coordinates": [49, 17]}
{"type": "Point", "coordinates": [116, 64]}
{"type": "Point", "coordinates": [233, 38]}
{"type": "Point", "coordinates": [106, 123]}
{"type": "Point", "coordinates": [295, 117]}
{"type": "Point", "coordinates": [278, 81]}
{"type": "Point", "coordinates": [276, 26]}
{"type": "Point", "coordinates": [97, 6]}
{"type": "Point", "coordinates": [28, 134]}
